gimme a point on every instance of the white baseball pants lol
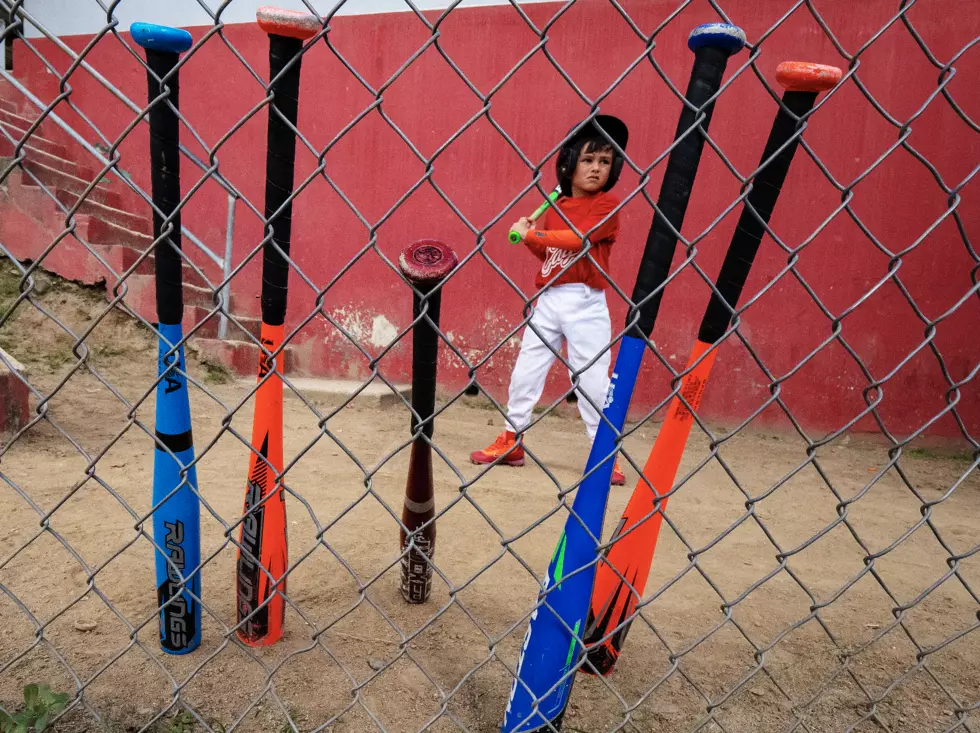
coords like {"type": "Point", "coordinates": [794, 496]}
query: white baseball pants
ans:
{"type": "Point", "coordinates": [578, 316]}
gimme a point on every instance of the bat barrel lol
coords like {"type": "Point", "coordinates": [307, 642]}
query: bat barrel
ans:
{"type": "Point", "coordinates": [287, 30]}
{"type": "Point", "coordinates": [803, 82]}
{"type": "Point", "coordinates": [712, 44]}
{"type": "Point", "coordinates": [425, 264]}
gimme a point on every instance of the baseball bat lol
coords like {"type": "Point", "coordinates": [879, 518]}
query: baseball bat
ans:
{"type": "Point", "coordinates": [177, 517]}
{"type": "Point", "coordinates": [513, 236]}
{"type": "Point", "coordinates": [262, 553]}
{"type": "Point", "coordinates": [622, 574]}
{"type": "Point", "coordinates": [553, 641]}
{"type": "Point", "coordinates": [425, 264]}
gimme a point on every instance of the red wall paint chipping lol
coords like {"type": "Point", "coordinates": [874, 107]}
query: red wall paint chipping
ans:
{"type": "Point", "coordinates": [897, 201]}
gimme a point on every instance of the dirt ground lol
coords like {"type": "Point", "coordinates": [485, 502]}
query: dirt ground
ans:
{"type": "Point", "coordinates": [720, 650]}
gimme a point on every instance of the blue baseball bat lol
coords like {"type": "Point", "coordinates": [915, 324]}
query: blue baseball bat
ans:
{"type": "Point", "coordinates": [553, 642]}
{"type": "Point", "coordinates": [177, 518]}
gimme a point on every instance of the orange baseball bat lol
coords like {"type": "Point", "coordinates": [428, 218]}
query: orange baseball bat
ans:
{"type": "Point", "coordinates": [622, 573]}
{"type": "Point", "coordinates": [263, 555]}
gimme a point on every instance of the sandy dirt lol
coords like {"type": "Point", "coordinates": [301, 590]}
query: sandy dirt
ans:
{"type": "Point", "coordinates": [719, 650]}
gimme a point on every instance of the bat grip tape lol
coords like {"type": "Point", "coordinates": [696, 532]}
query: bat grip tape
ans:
{"type": "Point", "coordinates": [675, 191]}
{"type": "Point", "coordinates": [751, 226]}
{"type": "Point", "coordinates": [165, 181]}
{"type": "Point", "coordinates": [279, 166]}
{"type": "Point", "coordinates": [425, 356]}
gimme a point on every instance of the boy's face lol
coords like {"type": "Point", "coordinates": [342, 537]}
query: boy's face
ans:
{"type": "Point", "coordinates": [592, 170]}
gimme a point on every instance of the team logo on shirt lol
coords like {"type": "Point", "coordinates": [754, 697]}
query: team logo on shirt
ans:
{"type": "Point", "coordinates": [556, 259]}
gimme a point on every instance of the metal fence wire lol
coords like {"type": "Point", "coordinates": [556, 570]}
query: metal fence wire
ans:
{"type": "Point", "coordinates": [818, 567]}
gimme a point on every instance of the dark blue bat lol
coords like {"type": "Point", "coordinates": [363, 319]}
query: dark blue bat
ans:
{"type": "Point", "coordinates": [553, 642]}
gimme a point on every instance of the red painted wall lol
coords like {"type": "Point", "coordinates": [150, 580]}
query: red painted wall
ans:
{"type": "Point", "coordinates": [797, 312]}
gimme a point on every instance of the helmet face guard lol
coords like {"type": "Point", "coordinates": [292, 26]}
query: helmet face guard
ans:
{"type": "Point", "coordinates": [568, 153]}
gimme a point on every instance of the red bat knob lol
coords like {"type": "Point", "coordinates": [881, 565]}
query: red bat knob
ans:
{"type": "Point", "coordinates": [427, 261]}
{"type": "Point", "coordinates": [802, 76]}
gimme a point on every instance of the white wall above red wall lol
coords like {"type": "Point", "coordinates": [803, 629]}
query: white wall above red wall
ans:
{"type": "Point", "coordinates": [84, 17]}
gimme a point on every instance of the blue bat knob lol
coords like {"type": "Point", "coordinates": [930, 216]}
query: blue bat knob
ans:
{"type": "Point", "coordinates": [725, 36]}
{"type": "Point", "coordinates": [161, 37]}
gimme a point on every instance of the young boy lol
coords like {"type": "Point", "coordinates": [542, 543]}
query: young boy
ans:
{"type": "Point", "coordinates": [573, 309]}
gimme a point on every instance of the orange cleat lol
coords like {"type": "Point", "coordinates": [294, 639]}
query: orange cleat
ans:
{"type": "Point", "coordinates": [618, 477]}
{"type": "Point", "coordinates": [505, 442]}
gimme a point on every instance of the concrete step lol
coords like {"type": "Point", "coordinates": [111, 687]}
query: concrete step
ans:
{"type": "Point", "coordinates": [98, 196]}
{"type": "Point", "coordinates": [338, 391]}
{"type": "Point", "coordinates": [109, 214]}
{"type": "Point", "coordinates": [103, 233]}
{"type": "Point", "coordinates": [142, 294]}
{"type": "Point", "coordinates": [120, 258]}
{"type": "Point", "coordinates": [49, 206]}
{"type": "Point", "coordinates": [245, 304]}
{"type": "Point", "coordinates": [241, 358]}
{"type": "Point", "coordinates": [19, 121]}
{"type": "Point", "coordinates": [31, 199]}
{"type": "Point", "coordinates": [193, 317]}
{"type": "Point", "coordinates": [252, 325]}
{"type": "Point", "coordinates": [128, 256]}
{"type": "Point", "coordinates": [67, 187]}
{"type": "Point", "coordinates": [8, 106]}
{"type": "Point", "coordinates": [36, 140]}
{"type": "Point", "coordinates": [62, 159]}
{"type": "Point", "coordinates": [98, 231]}
{"type": "Point", "coordinates": [32, 152]}
{"type": "Point", "coordinates": [15, 408]}
{"type": "Point", "coordinates": [7, 149]}
{"type": "Point", "coordinates": [58, 162]}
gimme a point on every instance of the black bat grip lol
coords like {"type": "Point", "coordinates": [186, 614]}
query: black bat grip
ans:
{"type": "Point", "coordinates": [425, 356]}
{"type": "Point", "coordinates": [165, 179]}
{"type": "Point", "coordinates": [279, 166]}
{"type": "Point", "coordinates": [751, 227]}
{"type": "Point", "coordinates": [675, 191]}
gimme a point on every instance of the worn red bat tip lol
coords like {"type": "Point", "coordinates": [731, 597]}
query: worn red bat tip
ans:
{"type": "Point", "coordinates": [291, 23]}
{"type": "Point", "coordinates": [802, 76]}
{"type": "Point", "coordinates": [427, 261]}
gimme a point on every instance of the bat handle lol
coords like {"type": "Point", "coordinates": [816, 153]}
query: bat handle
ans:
{"type": "Point", "coordinates": [802, 81]}
{"type": "Point", "coordinates": [514, 237]}
{"type": "Point", "coordinates": [287, 29]}
{"type": "Point", "coordinates": [425, 345]}
{"type": "Point", "coordinates": [712, 44]}
{"type": "Point", "coordinates": [163, 46]}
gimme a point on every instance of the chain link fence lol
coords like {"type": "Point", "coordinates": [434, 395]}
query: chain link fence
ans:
{"type": "Point", "coordinates": [818, 567]}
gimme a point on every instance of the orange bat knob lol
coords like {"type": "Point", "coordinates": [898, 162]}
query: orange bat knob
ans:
{"type": "Point", "coordinates": [290, 23]}
{"type": "Point", "coordinates": [802, 76]}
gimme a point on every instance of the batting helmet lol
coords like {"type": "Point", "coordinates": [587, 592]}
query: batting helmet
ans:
{"type": "Point", "coordinates": [568, 153]}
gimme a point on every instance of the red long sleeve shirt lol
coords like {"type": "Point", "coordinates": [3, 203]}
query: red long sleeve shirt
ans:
{"type": "Point", "coordinates": [556, 245]}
